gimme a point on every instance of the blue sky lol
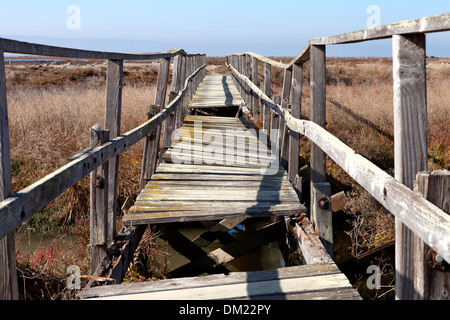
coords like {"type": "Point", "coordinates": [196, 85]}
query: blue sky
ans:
{"type": "Point", "coordinates": [216, 28]}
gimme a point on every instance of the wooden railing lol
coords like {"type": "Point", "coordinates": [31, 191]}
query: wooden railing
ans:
{"type": "Point", "coordinates": [101, 159]}
{"type": "Point", "coordinates": [414, 214]}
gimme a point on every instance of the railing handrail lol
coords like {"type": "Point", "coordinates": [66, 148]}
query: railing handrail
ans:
{"type": "Point", "coordinates": [21, 47]}
{"type": "Point", "coordinates": [430, 24]}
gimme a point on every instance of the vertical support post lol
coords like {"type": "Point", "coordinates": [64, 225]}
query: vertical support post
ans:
{"type": "Point", "coordinates": [175, 88]}
{"type": "Point", "coordinates": [294, 137]}
{"type": "Point", "coordinates": [318, 115]}
{"type": "Point", "coordinates": [151, 145]}
{"type": "Point", "coordinates": [284, 139]}
{"type": "Point", "coordinates": [268, 92]}
{"type": "Point", "coordinates": [99, 191]}
{"type": "Point", "coordinates": [410, 138]}
{"type": "Point", "coordinates": [431, 283]}
{"type": "Point", "coordinates": [112, 124]}
{"type": "Point", "coordinates": [255, 103]}
{"type": "Point", "coordinates": [182, 79]}
{"type": "Point", "coordinates": [8, 269]}
{"type": "Point", "coordinates": [274, 128]}
{"type": "Point", "coordinates": [322, 214]}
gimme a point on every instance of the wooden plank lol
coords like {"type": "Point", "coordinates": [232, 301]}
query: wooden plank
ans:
{"type": "Point", "coordinates": [218, 231]}
{"type": "Point", "coordinates": [410, 136]}
{"type": "Point", "coordinates": [426, 220]}
{"type": "Point", "coordinates": [430, 24]}
{"type": "Point", "coordinates": [8, 274]}
{"type": "Point", "coordinates": [232, 251]}
{"type": "Point", "coordinates": [429, 283]}
{"type": "Point", "coordinates": [113, 110]}
{"type": "Point", "coordinates": [268, 92]}
{"type": "Point", "coordinates": [203, 211]}
{"type": "Point", "coordinates": [308, 242]}
{"type": "Point", "coordinates": [16, 209]}
{"type": "Point", "coordinates": [321, 217]}
{"type": "Point", "coordinates": [304, 271]}
{"type": "Point", "coordinates": [15, 46]}
{"type": "Point", "coordinates": [99, 202]}
{"type": "Point", "coordinates": [302, 288]}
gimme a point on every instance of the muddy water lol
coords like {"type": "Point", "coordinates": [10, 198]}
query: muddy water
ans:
{"type": "Point", "coordinates": [31, 242]}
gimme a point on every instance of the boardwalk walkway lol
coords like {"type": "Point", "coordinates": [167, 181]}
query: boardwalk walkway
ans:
{"type": "Point", "coordinates": [219, 171]}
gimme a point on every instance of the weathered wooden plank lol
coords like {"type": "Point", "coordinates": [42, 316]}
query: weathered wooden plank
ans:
{"type": "Point", "coordinates": [204, 211]}
{"type": "Point", "coordinates": [429, 283]}
{"type": "Point", "coordinates": [8, 273]}
{"type": "Point", "coordinates": [304, 271]}
{"type": "Point", "coordinates": [431, 24]}
{"type": "Point", "coordinates": [262, 58]}
{"type": "Point", "coordinates": [308, 241]}
{"type": "Point", "coordinates": [430, 223]}
{"type": "Point", "coordinates": [294, 137]}
{"type": "Point", "coordinates": [244, 290]}
{"type": "Point", "coordinates": [15, 46]}
{"type": "Point", "coordinates": [113, 110]}
{"type": "Point", "coordinates": [321, 217]}
{"type": "Point", "coordinates": [152, 143]}
{"type": "Point", "coordinates": [410, 136]}
{"type": "Point", "coordinates": [338, 201]}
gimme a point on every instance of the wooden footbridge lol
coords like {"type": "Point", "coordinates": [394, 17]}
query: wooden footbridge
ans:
{"type": "Point", "coordinates": [223, 171]}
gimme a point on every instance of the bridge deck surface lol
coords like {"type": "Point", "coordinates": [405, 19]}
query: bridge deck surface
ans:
{"type": "Point", "coordinates": [306, 282]}
{"type": "Point", "coordinates": [211, 173]}
{"type": "Point", "coordinates": [215, 179]}
{"type": "Point", "coordinates": [216, 91]}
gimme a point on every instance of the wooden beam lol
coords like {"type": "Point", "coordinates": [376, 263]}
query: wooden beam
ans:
{"type": "Point", "coordinates": [8, 273]}
{"type": "Point", "coordinates": [294, 137]}
{"type": "Point", "coordinates": [426, 220]}
{"type": "Point", "coordinates": [431, 283]}
{"type": "Point", "coordinates": [113, 110]}
{"type": "Point", "coordinates": [99, 205]}
{"type": "Point", "coordinates": [152, 144]}
{"type": "Point", "coordinates": [410, 137]}
{"type": "Point", "coordinates": [431, 24]}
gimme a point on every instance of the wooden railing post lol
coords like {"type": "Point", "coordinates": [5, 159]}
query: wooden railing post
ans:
{"type": "Point", "coordinates": [99, 205]}
{"type": "Point", "coordinates": [151, 145]}
{"type": "Point", "coordinates": [268, 92]}
{"type": "Point", "coordinates": [182, 78]}
{"type": "Point", "coordinates": [320, 215]}
{"type": "Point", "coordinates": [175, 88]}
{"type": "Point", "coordinates": [8, 272]}
{"type": "Point", "coordinates": [410, 137]}
{"type": "Point", "coordinates": [432, 274]}
{"type": "Point", "coordinates": [112, 124]}
{"type": "Point", "coordinates": [255, 103]}
{"type": "Point", "coordinates": [294, 137]}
